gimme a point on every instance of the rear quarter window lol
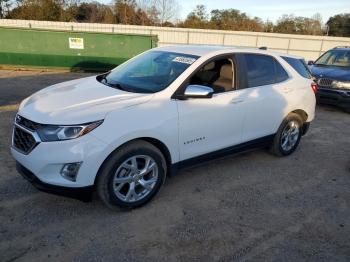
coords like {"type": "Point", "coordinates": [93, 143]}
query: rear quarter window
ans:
{"type": "Point", "coordinates": [299, 65]}
{"type": "Point", "coordinates": [281, 74]}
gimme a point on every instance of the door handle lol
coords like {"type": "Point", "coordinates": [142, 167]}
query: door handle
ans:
{"type": "Point", "coordinates": [236, 101]}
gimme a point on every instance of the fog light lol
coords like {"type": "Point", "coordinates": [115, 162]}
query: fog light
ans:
{"type": "Point", "coordinates": [69, 171]}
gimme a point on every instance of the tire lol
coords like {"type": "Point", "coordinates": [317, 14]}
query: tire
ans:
{"type": "Point", "coordinates": [284, 142]}
{"type": "Point", "coordinates": [346, 110]}
{"type": "Point", "coordinates": [131, 176]}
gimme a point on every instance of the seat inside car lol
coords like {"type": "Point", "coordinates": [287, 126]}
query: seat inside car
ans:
{"type": "Point", "coordinates": [343, 61]}
{"type": "Point", "coordinates": [206, 75]}
{"type": "Point", "coordinates": [225, 79]}
{"type": "Point", "coordinates": [217, 74]}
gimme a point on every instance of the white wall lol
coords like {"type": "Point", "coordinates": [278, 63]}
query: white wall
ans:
{"type": "Point", "coordinates": [310, 47]}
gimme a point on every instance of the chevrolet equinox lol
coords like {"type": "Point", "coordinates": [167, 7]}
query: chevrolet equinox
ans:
{"type": "Point", "coordinates": [121, 133]}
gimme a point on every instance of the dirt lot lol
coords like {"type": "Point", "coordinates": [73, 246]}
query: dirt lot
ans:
{"type": "Point", "coordinates": [250, 207]}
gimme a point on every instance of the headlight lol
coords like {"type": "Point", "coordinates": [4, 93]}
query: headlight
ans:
{"type": "Point", "coordinates": [50, 133]}
{"type": "Point", "coordinates": [339, 84]}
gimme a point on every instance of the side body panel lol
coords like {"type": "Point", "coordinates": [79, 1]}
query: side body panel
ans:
{"type": "Point", "coordinates": [157, 119]}
{"type": "Point", "coordinates": [207, 125]}
{"type": "Point", "coordinates": [267, 106]}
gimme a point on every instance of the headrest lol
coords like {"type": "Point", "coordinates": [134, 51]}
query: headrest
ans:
{"type": "Point", "coordinates": [209, 66]}
{"type": "Point", "coordinates": [226, 71]}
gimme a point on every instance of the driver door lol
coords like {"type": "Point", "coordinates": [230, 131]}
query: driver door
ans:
{"type": "Point", "coordinates": [210, 124]}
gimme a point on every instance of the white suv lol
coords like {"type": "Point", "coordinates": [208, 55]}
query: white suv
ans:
{"type": "Point", "coordinates": [122, 132]}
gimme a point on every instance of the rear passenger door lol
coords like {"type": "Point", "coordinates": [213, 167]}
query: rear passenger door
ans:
{"type": "Point", "coordinates": [268, 89]}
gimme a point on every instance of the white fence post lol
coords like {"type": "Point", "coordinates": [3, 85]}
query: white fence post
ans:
{"type": "Point", "coordinates": [288, 46]}
{"type": "Point", "coordinates": [321, 48]}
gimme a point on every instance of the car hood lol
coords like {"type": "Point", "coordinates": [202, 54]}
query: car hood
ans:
{"type": "Point", "coordinates": [76, 102]}
{"type": "Point", "coordinates": [332, 72]}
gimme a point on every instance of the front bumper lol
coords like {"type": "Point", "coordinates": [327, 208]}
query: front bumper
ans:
{"type": "Point", "coordinates": [81, 193]}
{"type": "Point", "coordinates": [47, 159]}
{"type": "Point", "coordinates": [334, 97]}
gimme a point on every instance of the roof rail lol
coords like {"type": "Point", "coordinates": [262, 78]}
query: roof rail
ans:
{"type": "Point", "coordinates": [263, 47]}
{"type": "Point", "coordinates": [345, 46]}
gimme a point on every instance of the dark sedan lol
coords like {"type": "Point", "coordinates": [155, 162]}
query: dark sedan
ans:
{"type": "Point", "coordinates": [332, 74]}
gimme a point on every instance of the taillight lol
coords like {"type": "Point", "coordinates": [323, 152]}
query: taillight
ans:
{"type": "Point", "coordinates": [314, 87]}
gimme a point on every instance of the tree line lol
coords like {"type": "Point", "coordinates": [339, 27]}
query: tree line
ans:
{"type": "Point", "coordinates": [165, 13]}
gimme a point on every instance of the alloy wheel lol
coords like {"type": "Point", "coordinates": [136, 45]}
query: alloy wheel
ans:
{"type": "Point", "coordinates": [290, 135]}
{"type": "Point", "coordinates": [135, 178]}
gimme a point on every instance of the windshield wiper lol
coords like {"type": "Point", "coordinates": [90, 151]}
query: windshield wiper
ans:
{"type": "Point", "coordinates": [115, 85]}
{"type": "Point", "coordinates": [103, 79]}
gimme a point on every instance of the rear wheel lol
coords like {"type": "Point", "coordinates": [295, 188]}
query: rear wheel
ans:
{"type": "Point", "coordinates": [132, 175]}
{"type": "Point", "coordinates": [288, 135]}
{"type": "Point", "coordinates": [347, 110]}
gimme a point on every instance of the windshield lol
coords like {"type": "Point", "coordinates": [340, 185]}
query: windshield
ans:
{"type": "Point", "coordinates": [150, 72]}
{"type": "Point", "coordinates": [335, 58]}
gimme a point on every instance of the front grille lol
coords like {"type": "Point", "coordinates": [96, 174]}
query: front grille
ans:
{"type": "Point", "coordinates": [325, 82]}
{"type": "Point", "coordinates": [31, 125]}
{"type": "Point", "coordinates": [23, 140]}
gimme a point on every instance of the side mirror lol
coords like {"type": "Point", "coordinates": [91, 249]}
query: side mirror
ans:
{"type": "Point", "coordinates": [310, 62]}
{"type": "Point", "coordinates": [198, 91]}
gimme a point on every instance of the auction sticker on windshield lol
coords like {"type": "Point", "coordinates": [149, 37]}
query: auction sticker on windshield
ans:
{"type": "Point", "coordinates": [183, 59]}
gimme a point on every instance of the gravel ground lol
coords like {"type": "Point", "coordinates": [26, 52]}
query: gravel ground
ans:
{"type": "Point", "coordinates": [249, 207]}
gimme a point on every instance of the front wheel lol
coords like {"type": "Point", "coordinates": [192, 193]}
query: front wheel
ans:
{"type": "Point", "coordinates": [288, 136]}
{"type": "Point", "coordinates": [132, 175]}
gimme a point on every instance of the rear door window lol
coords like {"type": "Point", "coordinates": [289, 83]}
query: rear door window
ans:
{"type": "Point", "coordinates": [263, 70]}
{"type": "Point", "coordinates": [299, 65]}
{"type": "Point", "coordinates": [260, 70]}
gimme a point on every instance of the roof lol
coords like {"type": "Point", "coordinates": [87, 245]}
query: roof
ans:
{"type": "Point", "coordinates": [202, 50]}
{"type": "Point", "coordinates": [199, 50]}
{"type": "Point", "coordinates": [342, 47]}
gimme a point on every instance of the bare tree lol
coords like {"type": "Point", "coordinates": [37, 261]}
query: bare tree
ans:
{"type": "Point", "coordinates": [168, 10]}
{"type": "Point", "coordinates": [4, 7]}
{"type": "Point", "coordinates": [317, 17]}
{"type": "Point", "coordinates": [145, 4]}
{"type": "Point", "coordinates": [149, 8]}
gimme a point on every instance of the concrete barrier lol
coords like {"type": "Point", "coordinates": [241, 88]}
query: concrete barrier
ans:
{"type": "Point", "coordinates": [309, 47]}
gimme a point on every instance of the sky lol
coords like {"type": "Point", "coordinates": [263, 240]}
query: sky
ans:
{"type": "Point", "coordinates": [272, 9]}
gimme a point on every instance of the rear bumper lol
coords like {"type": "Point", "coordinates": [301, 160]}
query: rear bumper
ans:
{"type": "Point", "coordinates": [334, 97]}
{"type": "Point", "coordinates": [81, 193]}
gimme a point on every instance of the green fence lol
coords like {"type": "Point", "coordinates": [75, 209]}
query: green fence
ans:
{"type": "Point", "coordinates": [73, 50]}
